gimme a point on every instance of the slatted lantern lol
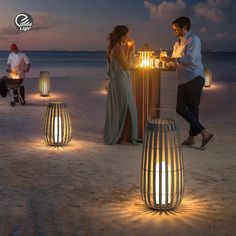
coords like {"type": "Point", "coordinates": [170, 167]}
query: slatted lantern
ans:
{"type": "Point", "coordinates": [57, 126]}
{"type": "Point", "coordinates": [208, 77]}
{"type": "Point", "coordinates": [147, 59]}
{"type": "Point", "coordinates": [44, 83]}
{"type": "Point", "coordinates": [146, 56]}
{"type": "Point", "coordinates": [162, 167]}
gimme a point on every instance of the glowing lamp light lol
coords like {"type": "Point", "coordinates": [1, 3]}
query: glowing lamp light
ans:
{"type": "Point", "coordinates": [14, 74]}
{"type": "Point", "coordinates": [57, 125]}
{"type": "Point", "coordinates": [44, 83]}
{"type": "Point", "coordinates": [162, 167]}
{"type": "Point", "coordinates": [58, 130]}
{"type": "Point", "coordinates": [208, 77]}
{"type": "Point", "coordinates": [147, 59]}
{"type": "Point", "coordinates": [163, 178]}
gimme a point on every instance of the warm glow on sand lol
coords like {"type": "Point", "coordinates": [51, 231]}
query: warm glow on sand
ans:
{"type": "Point", "coordinates": [214, 86]}
{"type": "Point", "coordinates": [102, 92]}
{"type": "Point", "coordinates": [51, 97]}
{"type": "Point", "coordinates": [193, 210]}
{"type": "Point", "coordinates": [74, 145]}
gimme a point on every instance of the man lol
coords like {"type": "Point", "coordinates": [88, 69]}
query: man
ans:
{"type": "Point", "coordinates": [186, 58]}
{"type": "Point", "coordinates": [18, 63]}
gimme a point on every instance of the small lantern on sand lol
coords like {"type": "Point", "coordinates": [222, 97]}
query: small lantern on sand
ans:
{"type": "Point", "coordinates": [208, 77]}
{"type": "Point", "coordinates": [57, 125]}
{"type": "Point", "coordinates": [44, 83]}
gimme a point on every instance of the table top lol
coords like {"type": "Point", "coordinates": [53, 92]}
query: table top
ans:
{"type": "Point", "coordinates": [153, 68]}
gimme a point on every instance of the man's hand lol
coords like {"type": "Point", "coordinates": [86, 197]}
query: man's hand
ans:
{"type": "Point", "coordinates": [8, 70]}
{"type": "Point", "coordinates": [27, 68]}
{"type": "Point", "coordinates": [167, 59]}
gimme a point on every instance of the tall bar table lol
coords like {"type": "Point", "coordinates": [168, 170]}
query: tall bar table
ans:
{"type": "Point", "coordinates": [146, 84]}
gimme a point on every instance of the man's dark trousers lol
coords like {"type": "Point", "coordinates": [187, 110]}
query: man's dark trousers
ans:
{"type": "Point", "coordinates": [188, 101]}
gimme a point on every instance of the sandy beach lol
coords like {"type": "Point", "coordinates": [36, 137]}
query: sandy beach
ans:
{"type": "Point", "coordinates": [88, 188]}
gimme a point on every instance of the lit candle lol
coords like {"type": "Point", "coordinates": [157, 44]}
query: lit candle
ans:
{"type": "Point", "coordinates": [163, 183]}
{"type": "Point", "coordinates": [57, 128]}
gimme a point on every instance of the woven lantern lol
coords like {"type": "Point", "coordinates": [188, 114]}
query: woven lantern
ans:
{"type": "Point", "coordinates": [44, 83]}
{"type": "Point", "coordinates": [57, 126]}
{"type": "Point", "coordinates": [208, 77]}
{"type": "Point", "coordinates": [162, 167]}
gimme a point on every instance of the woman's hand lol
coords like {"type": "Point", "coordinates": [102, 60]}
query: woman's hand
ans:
{"type": "Point", "coordinates": [131, 46]}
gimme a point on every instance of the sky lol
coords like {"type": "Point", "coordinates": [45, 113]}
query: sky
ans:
{"type": "Point", "coordinates": [85, 24]}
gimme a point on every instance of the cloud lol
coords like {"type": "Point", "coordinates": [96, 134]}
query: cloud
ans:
{"type": "Point", "coordinates": [9, 30]}
{"type": "Point", "coordinates": [217, 3]}
{"type": "Point", "coordinates": [213, 20]}
{"type": "Point", "coordinates": [210, 10]}
{"type": "Point", "coordinates": [165, 10]}
{"type": "Point", "coordinates": [42, 20]}
{"type": "Point", "coordinates": [211, 14]}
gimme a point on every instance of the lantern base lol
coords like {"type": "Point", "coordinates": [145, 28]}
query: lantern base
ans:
{"type": "Point", "coordinates": [162, 209]}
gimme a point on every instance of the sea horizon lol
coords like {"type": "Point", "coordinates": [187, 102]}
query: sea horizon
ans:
{"type": "Point", "coordinates": [93, 63]}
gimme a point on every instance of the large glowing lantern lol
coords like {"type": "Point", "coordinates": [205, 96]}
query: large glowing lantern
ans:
{"type": "Point", "coordinates": [208, 77]}
{"type": "Point", "coordinates": [162, 167]}
{"type": "Point", "coordinates": [57, 125]}
{"type": "Point", "coordinates": [44, 83]}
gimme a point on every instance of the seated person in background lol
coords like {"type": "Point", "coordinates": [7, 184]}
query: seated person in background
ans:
{"type": "Point", "coordinates": [17, 65]}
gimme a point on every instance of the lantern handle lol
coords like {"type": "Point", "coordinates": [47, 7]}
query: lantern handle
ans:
{"type": "Point", "coordinates": [159, 113]}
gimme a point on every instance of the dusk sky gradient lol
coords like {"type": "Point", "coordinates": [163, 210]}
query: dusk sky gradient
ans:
{"type": "Point", "coordinates": [84, 24]}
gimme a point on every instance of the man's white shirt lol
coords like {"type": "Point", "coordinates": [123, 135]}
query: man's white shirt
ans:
{"type": "Point", "coordinates": [18, 62]}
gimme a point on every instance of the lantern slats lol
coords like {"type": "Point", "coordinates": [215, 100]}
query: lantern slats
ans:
{"type": "Point", "coordinates": [208, 77]}
{"type": "Point", "coordinates": [57, 125]}
{"type": "Point", "coordinates": [153, 139]}
{"type": "Point", "coordinates": [162, 168]}
{"type": "Point", "coordinates": [44, 83]}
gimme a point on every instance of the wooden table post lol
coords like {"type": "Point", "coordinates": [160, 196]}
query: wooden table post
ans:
{"type": "Point", "coordinates": [146, 84]}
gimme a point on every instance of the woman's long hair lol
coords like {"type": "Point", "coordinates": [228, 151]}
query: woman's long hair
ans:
{"type": "Point", "coordinates": [115, 36]}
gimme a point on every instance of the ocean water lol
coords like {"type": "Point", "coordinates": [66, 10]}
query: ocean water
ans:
{"type": "Point", "coordinates": [92, 64]}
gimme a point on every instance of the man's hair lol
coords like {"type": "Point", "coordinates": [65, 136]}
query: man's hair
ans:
{"type": "Point", "coordinates": [182, 21]}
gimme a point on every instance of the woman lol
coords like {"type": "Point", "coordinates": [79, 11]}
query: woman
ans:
{"type": "Point", "coordinates": [121, 115]}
